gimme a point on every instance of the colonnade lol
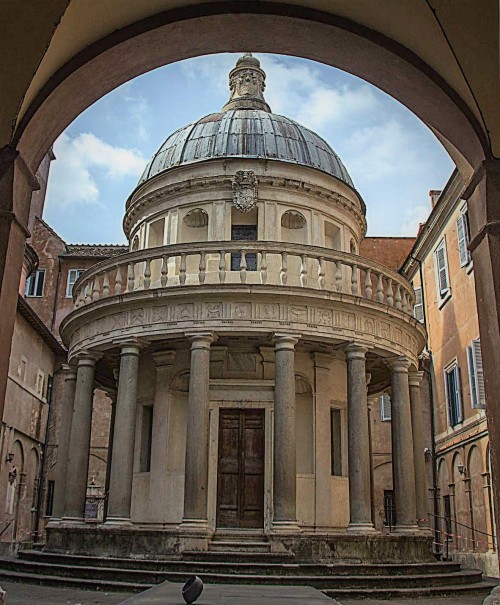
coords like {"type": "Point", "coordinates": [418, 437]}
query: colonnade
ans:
{"type": "Point", "coordinates": [407, 439]}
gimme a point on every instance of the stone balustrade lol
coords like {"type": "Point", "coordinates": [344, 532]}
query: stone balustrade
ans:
{"type": "Point", "coordinates": [253, 263]}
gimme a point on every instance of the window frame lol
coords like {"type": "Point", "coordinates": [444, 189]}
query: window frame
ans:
{"type": "Point", "coordinates": [385, 400]}
{"type": "Point", "coordinates": [69, 294]}
{"type": "Point", "coordinates": [476, 375]}
{"type": "Point", "coordinates": [463, 225]}
{"type": "Point", "coordinates": [453, 368]}
{"type": "Point", "coordinates": [34, 279]}
{"type": "Point", "coordinates": [419, 304]}
{"type": "Point", "coordinates": [443, 293]}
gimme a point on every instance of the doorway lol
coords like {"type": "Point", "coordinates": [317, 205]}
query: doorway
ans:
{"type": "Point", "coordinates": [240, 470]}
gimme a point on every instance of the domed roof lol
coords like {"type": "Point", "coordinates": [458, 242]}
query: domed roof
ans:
{"type": "Point", "coordinates": [246, 128]}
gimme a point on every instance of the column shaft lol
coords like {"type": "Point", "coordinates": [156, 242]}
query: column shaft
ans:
{"type": "Point", "coordinates": [285, 462]}
{"type": "Point", "coordinates": [403, 468]}
{"type": "Point", "coordinates": [79, 443]}
{"type": "Point", "coordinates": [68, 400]}
{"type": "Point", "coordinates": [358, 441]}
{"type": "Point", "coordinates": [196, 473]}
{"type": "Point", "coordinates": [418, 448]}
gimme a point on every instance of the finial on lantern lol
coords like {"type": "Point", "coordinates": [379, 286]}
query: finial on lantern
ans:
{"type": "Point", "coordinates": [247, 81]}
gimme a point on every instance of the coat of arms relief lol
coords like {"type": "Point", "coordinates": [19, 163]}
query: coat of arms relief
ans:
{"type": "Point", "coordinates": [245, 190]}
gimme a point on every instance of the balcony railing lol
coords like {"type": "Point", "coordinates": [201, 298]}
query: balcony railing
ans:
{"type": "Point", "coordinates": [272, 264]}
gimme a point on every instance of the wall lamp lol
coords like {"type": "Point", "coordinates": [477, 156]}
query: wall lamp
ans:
{"type": "Point", "coordinates": [10, 457]}
{"type": "Point", "coordinates": [461, 469]}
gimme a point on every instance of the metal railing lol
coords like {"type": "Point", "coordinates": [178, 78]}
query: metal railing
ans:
{"type": "Point", "coordinates": [272, 264]}
{"type": "Point", "coordinates": [445, 538]}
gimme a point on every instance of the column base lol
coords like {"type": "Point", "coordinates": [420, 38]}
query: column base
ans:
{"type": "Point", "coordinates": [54, 522]}
{"type": "Point", "coordinates": [285, 527]}
{"type": "Point", "coordinates": [194, 526]}
{"type": "Point", "coordinates": [407, 529]}
{"type": "Point", "coordinates": [361, 528]}
{"type": "Point", "coordinates": [117, 521]}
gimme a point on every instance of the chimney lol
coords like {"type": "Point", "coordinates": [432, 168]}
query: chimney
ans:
{"type": "Point", "coordinates": [434, 196]}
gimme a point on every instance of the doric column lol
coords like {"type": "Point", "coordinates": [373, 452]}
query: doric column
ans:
{"type": "Point", "coordinates": [68, 401]}
{"type": "Point", "coordinates": [285, 463]}
{"type": "Point", "coordinates": [414, 380]}
{"type": "Point", "coordinates": [112, 395]}
{"type": "Point", "coordinates": [360, 520]}
{"type": "Point", "coordinates": [122, 462]}
{"type": "Point", "coordinates": [403, 467]}
{"type": "Point", "coordinates": [79, 442]}
{"type": "Point", "coordinates": [196, 472]}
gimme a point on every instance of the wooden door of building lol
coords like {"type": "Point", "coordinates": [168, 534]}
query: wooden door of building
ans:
{"type": "Point", "coordinates": [240, 471]}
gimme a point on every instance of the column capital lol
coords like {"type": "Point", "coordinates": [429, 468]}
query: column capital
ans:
{"type": "Point", "coordinates": [399, 364]}
{"type": "Point", "coordinates": [284, 341]}
{"type": "Point", "coordinates": [69, 371]}
{"type": "Point", "coordinates": [164, 358]}
{"type": "Point", "coordinates": [87, 358]}
{"type": "Point", "coordinates": [201, 340]}
{"type": "Point", "coordinates": [354, 350]}
{"type": "Point", "coordinates": [130, 345]}
{"type": "Point", "coordinates": [415, 378]}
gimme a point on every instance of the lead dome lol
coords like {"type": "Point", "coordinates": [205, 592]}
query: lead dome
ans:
{"type": "Point", "coordinates": [246, 128]}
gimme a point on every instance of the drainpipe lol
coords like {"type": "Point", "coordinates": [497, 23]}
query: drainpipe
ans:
{"type": "Point", "coordinates": [56, 295]}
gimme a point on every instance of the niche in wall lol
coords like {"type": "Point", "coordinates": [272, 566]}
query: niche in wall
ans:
{"type": "Point", "coordinates": [194, 226]}
{"type": "Point", "coordinates": [332, 236]}
{"type": "Point", "coordinates": [155, 234]}
{"type": "Point", "coordinates": [293, 227]}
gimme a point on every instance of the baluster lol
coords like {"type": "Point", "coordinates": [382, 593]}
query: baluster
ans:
{"type": "Point", "coordinates": [202, 268]}
{"type": "Point", "coordinates": [321, 273]}
{"type": "Point", "coordinates": [405, 301]}
{"type": "Point", "coordinates": [397, 298]}
{"type": "Point", "coordinates": [243, 267]}
{"type": "Point", "coordinates": [380, 288]}
{"type": "Point", "coordinates": [338, 276]}
{"type": "Point", "coordinates": [284, 269]}
{"type": "Point", "coordinates": [368, 284]}
{"type": "Point", "coordinates": [303, 270]}
{"type": "Point", "coordinates": [164, 272]}
{"type": "Point", "coordinates": [96, 288]}
{"type": "Point", "coordinates": [182, 269]}
{"type": "Point", "coordinates": [130, 277]}
{"type": "Point", "coordinates": [118, 280]}
{"type": "Point", "coordinates": [389, 293]}
{"type": "Point", "coordinates": [147, 274]}
{"type": "Point", "coordinates": [354, 280]}
{"type": "Point", "coordinates": [263, 268]}
{"type": "Point", "coordinates": [80, 300]}
{"type": "Point", "coordinates": [222, 266]}
{"type": "Point", "coordinates": [88, 298]}
{"type": "Point", "coordinates": [105, 285]}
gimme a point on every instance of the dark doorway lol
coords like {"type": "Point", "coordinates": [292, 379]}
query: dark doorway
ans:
{"type": "Point", "coordinates": [240, 471]}
{"type": "Point", "coordinates": [244, 233]}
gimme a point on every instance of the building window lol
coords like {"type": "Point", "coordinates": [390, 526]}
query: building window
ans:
{"type": "Point", "coordinates": [40, 384]}
{"type": "Point", "coordinates": [146, 439]}
{"type": "Point", "coordinates": [418, 307]}
{"type": "Point", "coordinates": [385, 407]}
{"type": "Point", "coordinates": [34, 283]}
{"type": "Point", "coordinates": [73, 275]}
{"type": "Point", "coordinates": [389, 508]}
{"type": "Point", "coordinates": [463, 234]}
{"type": "Point", "coordinates": [336, 442]}
{"type": "Point", "coordinates": [476, 377]}
{"type": "Point", "coordinates": [441, 265]}
{"type": "Point", "coordinates": [244, 233]}
{"type": "Point", "coordinates": [49, 503]}
{"type": "Point", "coordinates": [453, 399]}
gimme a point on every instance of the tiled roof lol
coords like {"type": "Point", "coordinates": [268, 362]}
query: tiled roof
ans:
{"type": "Point", "coordinates": [95, 250]}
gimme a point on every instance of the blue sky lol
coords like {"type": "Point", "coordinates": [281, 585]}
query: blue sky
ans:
{"type": "Point", "coordinates": [391, 156]}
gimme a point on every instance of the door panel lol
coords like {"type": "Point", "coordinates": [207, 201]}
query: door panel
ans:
{"type": "Point", "coordinates": [240, 474]}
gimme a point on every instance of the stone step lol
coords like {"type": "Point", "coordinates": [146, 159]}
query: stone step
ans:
{"type": "Point", "coordinates": [481, 588]}
{"type": "Point", "coordinates": [271, 564]}
{"type": "Point", "coordinates": [233, 546]}
{"type": "Point", "coordinates": [138, 577]}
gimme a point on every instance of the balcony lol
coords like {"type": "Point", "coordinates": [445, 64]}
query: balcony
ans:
{"type": "Point", "coordinates": [260, 263]}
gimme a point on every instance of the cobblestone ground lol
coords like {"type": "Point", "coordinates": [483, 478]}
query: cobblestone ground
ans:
{"type": "Point", "coordinates": [29, 594]}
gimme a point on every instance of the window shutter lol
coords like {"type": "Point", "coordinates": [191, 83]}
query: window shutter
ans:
{"type": "Point", "coordinates": [462, 241]}
{"type": "Point", "coordinates": [472, 377]}
{"type": "Point", "coordinates": [441, 270]}
{"type": "Point", "coordinates": [478, 365]}
{"type": "Point", "coordinates": [452, 384]}
{"type": "Point", "coordinates": [418, 307]}
{"type": "Point", "coordinates": [385, 407]}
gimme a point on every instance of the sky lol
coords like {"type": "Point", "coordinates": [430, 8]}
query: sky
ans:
{"type": "Point", "coordinates": [392, 157]}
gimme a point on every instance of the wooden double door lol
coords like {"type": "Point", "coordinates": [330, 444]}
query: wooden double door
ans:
{"type": "Point", "coordinates": [240, 470]}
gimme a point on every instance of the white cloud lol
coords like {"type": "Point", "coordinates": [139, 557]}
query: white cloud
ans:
{"type": "Point", "coordinates": [81, 162]}
{"type": "Point", "coordinates": [415, 215]}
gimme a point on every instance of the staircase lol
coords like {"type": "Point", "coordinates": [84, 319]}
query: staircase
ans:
{"type": "Point", "coordinates": [247, 566]}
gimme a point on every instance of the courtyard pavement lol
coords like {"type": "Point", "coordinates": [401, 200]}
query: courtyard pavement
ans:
{"type": "Point", "coordinates": [29, 594]}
